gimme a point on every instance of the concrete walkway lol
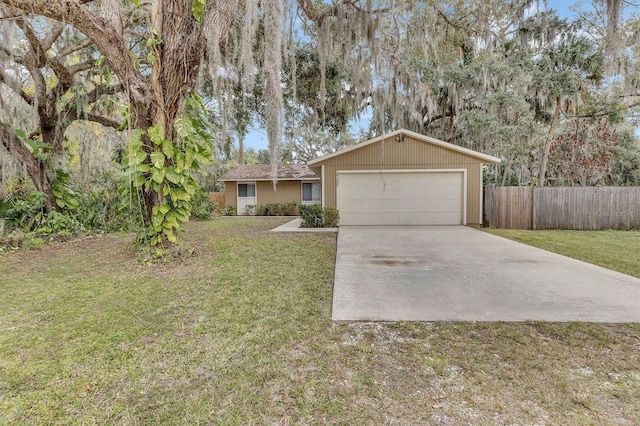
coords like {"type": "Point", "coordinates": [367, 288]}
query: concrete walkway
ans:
{"type": "Point", "coordinates": [294, 226]}
{"type": "Point", "coordinates": [450, 273]}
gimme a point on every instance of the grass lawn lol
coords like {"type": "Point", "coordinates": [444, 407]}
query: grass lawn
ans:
{"type": "Point", "coordinates": [617, 250]}
{"type": "Point", "coordinates": [240, 333]}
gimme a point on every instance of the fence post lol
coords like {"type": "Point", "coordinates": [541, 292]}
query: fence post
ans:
{"type": "Point", "coordinates": [533, 207]}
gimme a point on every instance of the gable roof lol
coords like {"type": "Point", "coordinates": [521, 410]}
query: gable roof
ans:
{"type": "Point", "coordinates": [263, 172]}
{"type": "Point", "coordinates": [402, 132]}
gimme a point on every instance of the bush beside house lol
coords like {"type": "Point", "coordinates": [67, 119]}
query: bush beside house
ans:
{"type": "Point", "coordinates": [316, 216]}
{"type": "Point", "coordinates": [272, 209]}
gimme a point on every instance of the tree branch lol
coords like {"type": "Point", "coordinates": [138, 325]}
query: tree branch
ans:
{"type": "Point", "coordinates": [15, 86]}
{"type": "Point", "coordinates": [14, 145]}
{"type": "Point", "coordinates": [63, 74]}
{"type": "Point", "coordinates": [319, 13]}
{"type": "Point", "coordinates": [30, 62]}
{"type": "Point", "coordinates": [353, 4]}
{"type": "Point", "coordinates": [53, 36]}
{"type": "Point", "coordinates": [17, 59]}
{"type": "Point", "coordinates": [73, 115]}
{"type": "Point", "coordinates": [103, 89]}
{"type": "Point", "coordinates": [37, 48]}
{"type": "Point", "coordinates": [74, 48]}
{"type": "Point", "coordinates": [104, 35]}
{"type": "Point", "coordinates": [82, 66]}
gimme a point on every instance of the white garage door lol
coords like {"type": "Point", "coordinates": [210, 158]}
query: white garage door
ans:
{"type": "Point", "coordinates": [401, 198]}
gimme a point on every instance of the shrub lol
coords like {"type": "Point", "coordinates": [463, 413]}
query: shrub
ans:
{"type": "Point", "coordinates": [59, 224]}
{"type": "Point", "coordinates": [99, 206]}
{"type": "Point", "coordinates": [22, 210]}
{"type": "Point", "coordinates": [271, 209]}
{"type": "Point", "coordinates": [315, 216]}
{"type": "Point", "coordinates": [249, 210]}
{"type": "Point", "coordinates": [278, 209]}
{"type": "Point", "coordinates": [330, 217]}
{"type": "Point", "coordinates": [201, 205]}
{"type": "Point", "coordinates": [311, 215]}
{"type": "Point", "coordinates": [109, 205]}
{"type": "Point", "coordinates": [291, 209]}
{"type": "Point", "coordinates": [228, 211]}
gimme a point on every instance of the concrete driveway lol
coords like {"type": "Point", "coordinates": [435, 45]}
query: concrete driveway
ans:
{"type": "Point", "coordinates": [450, 273]}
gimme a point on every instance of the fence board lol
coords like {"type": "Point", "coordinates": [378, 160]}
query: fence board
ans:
{"type": "Point", "coordinates": [218, 199]}
{"type": "Point", "coordinates": [508, 207]}
{"type": "Point", "coordinates": [580, 208]}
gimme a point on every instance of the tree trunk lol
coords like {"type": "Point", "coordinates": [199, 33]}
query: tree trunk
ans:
{"type": "Point", "coordinates": [35, 169]}
{"type": "Point", "coordinates": [240, 148]}
{"type": "Point", "coordinates": [178, 46]}
{"type": "Point", "coordinates": [507, 171]}
{"type": "Point", "coordinates": [542, 176]}
{"type": "Point", "coordinates": [452, 122]}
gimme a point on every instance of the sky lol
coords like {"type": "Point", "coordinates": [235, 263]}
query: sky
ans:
{"type": "Point", "coordinates": [257, 137]}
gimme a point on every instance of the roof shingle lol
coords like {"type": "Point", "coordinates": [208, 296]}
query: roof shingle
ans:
{"type": "Point", "coordinates": [263, 172]}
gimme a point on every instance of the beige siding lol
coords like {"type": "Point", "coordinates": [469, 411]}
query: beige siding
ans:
{"type": "Point", "coordinates": [231, 193]}
{"type": "Point", "coordinates": [286, 192]}
{"type": "Point", "coordinates": [409, 154]}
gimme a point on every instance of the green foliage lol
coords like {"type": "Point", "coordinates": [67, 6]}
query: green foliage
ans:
{"type": "Point", "coordinates": [39, 149]}
{"type": "Point", "coordinates": [311, 215]}
{"type": "Point", "coordinates": [197, 7]}
{"type": "Point", "coordinates": [66, 198]}
{"type": "Point", "coordinates": [207, 178]}
{"type": "Point", "coordinates": [626, 170]}
{"type": "Point", "coordinates": [201, 206]}
{"type": "Point", "coordinates": [228, 211]}
{"type": "Point", "coordinates": [315, 216]}
{"type": "Point", "coordinates": [58, 224]}
{"type": "Point", "coordinates": [315, 102]}
{"type": "Point", "coordinates": [278, 209]}
{"type": "Point", "coordinates": [22, 207]}
{"type": "Point", "coordinates": [107, 208]}
{"type": "Point", "coordinates": [249, 210]}
{"type": "Point", "coordinates": [167, 168]}
{"type": "Point", "coordinates": [330, 217]}
{"type": "Point", "coordinates": [26, 222]}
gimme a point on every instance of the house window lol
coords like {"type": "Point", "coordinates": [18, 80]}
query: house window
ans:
{"type": "Point", "coordinates": [246, 190]}
{"type": "Point", "coordinates": [311, 193]}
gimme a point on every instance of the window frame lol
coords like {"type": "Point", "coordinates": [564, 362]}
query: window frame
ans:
{"type": "Point", "coordinates": [247, 190]}
{"type": "Point", "coordinates": [312, 200]}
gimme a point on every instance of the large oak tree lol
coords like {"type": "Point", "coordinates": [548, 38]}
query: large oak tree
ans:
{"type": "Point", "coordinates": [183, 38]}
{"type": "Point", "coordinates": [53, 81]}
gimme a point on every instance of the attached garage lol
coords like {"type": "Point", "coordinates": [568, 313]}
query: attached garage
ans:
{"type": "Point", "coordinates": [404, 178]}
{"type": "Point", "coordinates": [407, 197]}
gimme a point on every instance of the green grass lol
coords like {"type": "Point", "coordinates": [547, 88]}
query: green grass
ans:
{"type": "Point", "coordinates": [240, 333]}
{"type": "Point", "coordinates": [617, 250]}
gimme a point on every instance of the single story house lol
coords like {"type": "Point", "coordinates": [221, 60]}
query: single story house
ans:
{"type": "Point", "coordinates": [252, 184]}
{"type": "Point", "coordinates": [400, 178]}
{"type": "Point", "coordinates": [404, 178]}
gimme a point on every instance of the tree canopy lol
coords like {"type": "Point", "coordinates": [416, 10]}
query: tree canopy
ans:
{"type": "Point", "coordinates": [504, 77]}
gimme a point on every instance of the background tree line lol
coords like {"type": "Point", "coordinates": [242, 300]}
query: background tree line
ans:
{"type": "Point", "coordinates": [145, 99]}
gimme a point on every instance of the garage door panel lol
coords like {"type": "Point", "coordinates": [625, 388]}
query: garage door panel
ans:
{"type": "Point", "coordinates": [401, 198]}
{"type": "Point", "coordinates": [374, 217]}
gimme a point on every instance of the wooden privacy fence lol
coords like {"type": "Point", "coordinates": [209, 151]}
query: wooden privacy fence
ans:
{"type": "Point", "coordinates": [585, 208]}
{"type": "Point", "coordinates": [217, 198]}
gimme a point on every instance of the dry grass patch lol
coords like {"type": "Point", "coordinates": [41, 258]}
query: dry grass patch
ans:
{"type": "Point", "coordinates": [240, 333]}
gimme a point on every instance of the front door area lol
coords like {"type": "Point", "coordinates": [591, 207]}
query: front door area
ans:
{"type": "Point", "coordinates": [246, 197]}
